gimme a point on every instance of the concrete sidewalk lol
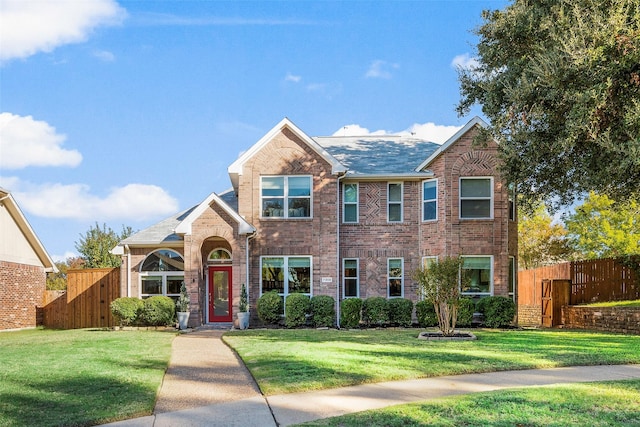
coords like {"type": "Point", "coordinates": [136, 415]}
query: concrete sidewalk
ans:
{"type": "Point", "coordinates": [206, 384]}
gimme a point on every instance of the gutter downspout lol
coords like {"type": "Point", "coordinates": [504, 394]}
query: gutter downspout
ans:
{"type": "Point", "coordinates": [340, 177]}
{"type": "Point", "coordinates": [128, 252]}
{"type": "Point", "coordinates": [246, 253]}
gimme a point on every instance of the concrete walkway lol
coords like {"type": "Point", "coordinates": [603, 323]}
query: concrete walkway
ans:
{"type": "Point", "coordinates": [206, 384]}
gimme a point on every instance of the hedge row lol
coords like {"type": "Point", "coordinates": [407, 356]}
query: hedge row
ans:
{"type": "Point", "coordinates": [154, 311]}
{"type": "Point", "coordinates": [300, 310]}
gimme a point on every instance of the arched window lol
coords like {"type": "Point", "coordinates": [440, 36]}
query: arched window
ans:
{"type": "Point", "coordinates": [219, 256]}
{"type": "Point", "coordinates": [162, 273]}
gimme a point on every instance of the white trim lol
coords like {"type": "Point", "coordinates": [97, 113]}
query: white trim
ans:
{"type": "Point", "coordinates": [430, 200]}
{"type": "Point", "coordinates": [491, 278]}
{"type": "Point", "coordinates": [357, 278]}
{"type": "Point", "coordinates": [162, 274]}
{"type": "Point", "coordinates": [286, 197]}
{"type": "Point", "coordinates": [209, 261]}
{"type": "Point", "coordinates": [491, 198]}
{"type": "Point", "coordinates": [357, 203]}
{"type": "Point", "coordinates": [185, 225]}
{"type": "Point", "coordinates": [456, 136]}
{"type": "Point", "coordinates": [235, 169]}
{"type": "Point", "coordinates": [401, 278]}
{"type": "Point", "coordinates": [396, 202]}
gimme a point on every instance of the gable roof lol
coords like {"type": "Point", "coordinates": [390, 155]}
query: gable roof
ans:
{"type": "Point", "coordinates": [235, 170]}
{"type": "Point", "coordinates": [476, 121]}
{"type": "Point", "coordinates": [185, 225]}
{"type": "Point", "coordinates": [7, 200]}
{"type": "Point", "coordinates": [160, 234]}
{"type": "Point", "coordinates": [385, 155]}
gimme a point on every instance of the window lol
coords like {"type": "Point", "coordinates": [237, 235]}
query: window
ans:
{"type": "Point", "coordinates": [350, 203]}
{"type": "Point", "coordinates": [512, 202]}
{"type": "Point", "coordinates": [219, 256]}
{"type": "Point", "coordinates": [287, 275]}
{"type": "Point", "coordinates": [480, 269]}
{"type": "Point", "coordinates": [430, 200]}
{"type": "Point", "coordinates": [286, 196]}
{"type": "Point", "coordinates": [426, 262]}
{"type": "Point", "coordinates": [512, 277]}
{"type": "Point", "coordinates": [162, 273]}
{"type": "Point", "coordinates": [476, 196]}
{"type": "Point", "coordinates": [394, 202]}
{"type": "Point", "coordinates": [395, 277]}
{"type": "Point", "coordinates": [350, 278]}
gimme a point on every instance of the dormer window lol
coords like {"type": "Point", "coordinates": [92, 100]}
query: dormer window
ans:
{"type": "Point", "coordinates": [286, 196]}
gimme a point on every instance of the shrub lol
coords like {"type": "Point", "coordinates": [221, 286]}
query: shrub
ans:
{"type": "Point", "coordinates": [350, 310]}
{"type": "Point", "coordinates": [126, 310]}
{"type": "Point", "coordinates": [323, 312]}
{"type": "Point", "coordinates": [375, 311]}
{"type": "Point", "coordinates": [498, 311]}
{"type": "Point", "coordinates": [466, 307]}
{"type": "Point", "coordinates": [426, 314]}
{"type": "Point", "coordinates": [182, 305]}
{"type": "Point", "coordinates": [158, 311]}
{"type": "Point", "coordinates": [270, 307]}
{"type": "Point", "coordinates": [400, 310]}
{"type": "Point", "coordinates": [297, 307]}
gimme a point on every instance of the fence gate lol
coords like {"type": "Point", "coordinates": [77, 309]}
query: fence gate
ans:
{"type": "Point", "coordinates": [555, 295]}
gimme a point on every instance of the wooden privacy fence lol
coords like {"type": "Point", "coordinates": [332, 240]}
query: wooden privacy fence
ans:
{"type": "Point", "coordinates": [86, 302]}
{"type": "Point", "coordinates": [602, 280]}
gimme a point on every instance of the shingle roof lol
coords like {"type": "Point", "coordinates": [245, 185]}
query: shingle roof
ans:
{"type": "Point", "coordinates": [378, 155]}
{"type": "Point", "coordinates": [159, 233]}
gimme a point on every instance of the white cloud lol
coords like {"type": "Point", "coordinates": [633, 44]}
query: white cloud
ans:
{"type": "Point", "coordinates": [32, 26]}
{"type": "Point", "coordinates": [292, 78]}
{"type": "Point", "coordinates": [64, 257]}
{"type": "Point", "coordinates": [380, 69]}
{"type": "Point", "coordinates": [27, 142]}
{"type": "Point", "coordinates": [133, 202]}
{"type": "Point", "coordinates": [464, 61]}
{"type": "Point", "coordinates": [104, 55]}
{"type": "Point", "coordinates": [427, 131]}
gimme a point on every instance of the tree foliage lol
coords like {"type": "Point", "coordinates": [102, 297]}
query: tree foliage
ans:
{"type": "Point", "coordinates": [602, 228]}
{"type": "Point", "coordinates": [559, 81]}
{"type": "Point", "coordinates": [440, 282]}
{"type": "Point", "coordinates": [58, 281]}
{"type": "Point", "coordinates": [95, 246]}
{"type": "Point", "coordinates": [540, 240]}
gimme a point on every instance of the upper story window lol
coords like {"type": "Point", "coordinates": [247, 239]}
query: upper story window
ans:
{"type": "Point", "coordinates": [394, 202]}
{"type": "Point", "coordinates": [395, 277]}
{"type": "Point", "coordinates": [162, 273]}
{"type": "Point", "coordinates": [512, 202]}
{"type": "Point", "coordinates": [350, 202]}
{"type": "Point", "coordinates": [430, 200]}
{"type": "Point", "coordinates": [350, 278]}
{"type": "Point", "coordinates": [476, 198]}
{"type": "Point", "coordinates": [286, 196]}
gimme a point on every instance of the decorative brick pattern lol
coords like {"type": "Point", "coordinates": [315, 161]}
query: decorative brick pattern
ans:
{"type": "Point", "coordinates": [21, 291]}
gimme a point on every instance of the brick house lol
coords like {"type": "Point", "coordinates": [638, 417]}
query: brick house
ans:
{"type": "Point", "coordinates": [24, 264]}
{"type": "Point", "coordinates": [342, 216]}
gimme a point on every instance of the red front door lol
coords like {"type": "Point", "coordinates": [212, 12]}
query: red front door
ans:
{"type": "Point", "coordinates": [220, 294]}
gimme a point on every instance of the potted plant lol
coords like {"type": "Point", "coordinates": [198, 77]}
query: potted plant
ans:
{"type": "Point", "coordinates": [182, 307]}
{"type": "Point", "coordinates": [243, 309]}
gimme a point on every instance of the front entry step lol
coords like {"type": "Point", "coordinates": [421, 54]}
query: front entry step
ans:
{"type": "Point", "coordinates": [217, 326]}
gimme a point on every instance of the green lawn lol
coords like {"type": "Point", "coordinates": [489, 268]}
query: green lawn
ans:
{"type": "Point", "coordinates": [80, 377]}
{"type": "Point", "coordinates": [285, 361]}
{"type": "Point", "coordinates": [611, 404]}
{"type": "Point", "coordinates": [626, 304]}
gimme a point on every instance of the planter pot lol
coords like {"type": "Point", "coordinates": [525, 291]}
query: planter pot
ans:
{"type": "Point", "coordinates": [183, 319]}
{"type": "Point", "coordinates": [243, 319]}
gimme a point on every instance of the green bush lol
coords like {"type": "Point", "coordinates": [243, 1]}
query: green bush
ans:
{"type": "Point", "coordinates": [426, 314]}
{"type": "Point", "coordinates": [466, 307]}
{"type": "Point", "coordinates": [375, 311]}
{"type": "Point", "coordinates": [400, 310]}
{"type": "Point", "coordinates": [270, 307]}
{"type": "Point", "coordinates": [498, 311]}
{"type": "Point", "coordinates": [350, 310]}
{"type": "Point", "coordinates": [158, 311]}
{"type": "Point", "coordinates": [297, 306]}
{"type": "Point", "coordinates": [126, 310]}
{"type": "Point", "coordinates": [323, 312]}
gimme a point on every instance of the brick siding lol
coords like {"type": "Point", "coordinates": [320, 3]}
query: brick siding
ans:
{"type": "Point", "coordinates": [21, 291]}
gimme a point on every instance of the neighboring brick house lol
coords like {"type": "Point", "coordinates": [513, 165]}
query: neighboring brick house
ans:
{"type": "Point", "coordinates": [339, 216]}
{"type": "Point", "coordinates": [24, 264]}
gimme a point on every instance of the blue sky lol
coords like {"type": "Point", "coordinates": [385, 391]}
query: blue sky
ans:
{"type": "Point", "coordinates": [126, 112]}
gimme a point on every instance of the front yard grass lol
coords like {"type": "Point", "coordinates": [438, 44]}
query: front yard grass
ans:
{"type": "Point", "coordinates": [287, 361]}
{"type": "Point", "coordinates": [622, 304]}
{"type": "Point", "coordinates": [611, 404]}
{"type": "Point", "coordinates": [80, 377]}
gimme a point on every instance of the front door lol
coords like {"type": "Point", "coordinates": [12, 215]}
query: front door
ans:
{"type": "Point", "coordinates": [220, 294]}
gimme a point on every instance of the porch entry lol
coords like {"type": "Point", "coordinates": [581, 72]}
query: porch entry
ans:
{"type": "Point", "coordinates": [220, 293]}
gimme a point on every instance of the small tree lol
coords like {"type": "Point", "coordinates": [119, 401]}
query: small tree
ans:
{"type": "Point", "coordinates": [182, 305]}
{"type": "Point", "coordinates": [440, 282]}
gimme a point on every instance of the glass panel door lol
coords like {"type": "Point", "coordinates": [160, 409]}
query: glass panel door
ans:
{"type": "Point", "coordinates": [220, 295]}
